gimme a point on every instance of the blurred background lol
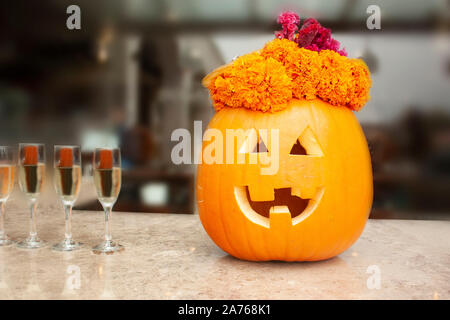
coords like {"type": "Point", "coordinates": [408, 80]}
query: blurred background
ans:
{"type": "Point", "coordinates": [131, 75]}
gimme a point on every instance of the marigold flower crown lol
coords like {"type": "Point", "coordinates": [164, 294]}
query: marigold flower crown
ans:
{"type": "Point", "coordinates": [307, 64]}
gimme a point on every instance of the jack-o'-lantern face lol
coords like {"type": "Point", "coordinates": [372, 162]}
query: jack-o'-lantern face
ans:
{"type": "Point", "coordinates": [315, 200]}
{"type": "Point", "coordinates": [261, 196]}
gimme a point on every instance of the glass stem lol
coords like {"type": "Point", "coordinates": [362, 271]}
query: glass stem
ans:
{"type": "Point", "coordinates": [108, 210]}
{"type": "Point", "coordinates": [68, 216]}
{"type": "Point", "coordinates": [2, 219]}
{"type": "Point", "coordinates": [33, 228]}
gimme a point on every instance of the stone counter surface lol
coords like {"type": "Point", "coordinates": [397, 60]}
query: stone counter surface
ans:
{"type": "Point", "coordinates": [171, 257]}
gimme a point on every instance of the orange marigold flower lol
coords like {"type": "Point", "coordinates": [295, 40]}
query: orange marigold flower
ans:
{"type": "Point", "coordinates": [302, 65]}
{"type": "Point", "coordinates": [267, 80]}
{"type": "Point", "coordinates": [252, 82]}
{"type": "Point", "coordinates": [306, 80]}
{"type": "Point", "coordinates": [343, 81]}
{"type": "Point", "coordinates": [361, 84]}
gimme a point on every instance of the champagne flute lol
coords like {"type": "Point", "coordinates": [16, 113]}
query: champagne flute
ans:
{"type": "Point", "coordinates": [31, 178]}
{"type": "Point", "coordinates": [108, 179]}
{"type": "Point", "coordinates": [7, 170]}
{"type": "Point", "coordinates": [67, 179]}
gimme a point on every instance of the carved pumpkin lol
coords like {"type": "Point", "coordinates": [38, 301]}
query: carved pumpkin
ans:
{"type": "Point", "coordinates": [313, 208]}
{"type": "Point", "coordinates": [315, 204]}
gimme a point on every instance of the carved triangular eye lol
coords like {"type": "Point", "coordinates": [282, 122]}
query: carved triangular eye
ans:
{"type": "Point", "coordinates": [260, 147]}
{"type": "Point", "coordinates": [298, 149]}
{"type": "Point", "coordinates": [306, 144]}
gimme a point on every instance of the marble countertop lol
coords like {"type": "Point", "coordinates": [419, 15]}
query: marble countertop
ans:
{"type": "Point", "coordinates": [171, 257]}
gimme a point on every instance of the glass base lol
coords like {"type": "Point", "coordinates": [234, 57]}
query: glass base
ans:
{"type": "Point", "coordinates": [107, 247]}
{"type": "Point", "coordinates": [5, 241]}
{"type": "Point", "coordinates": [67, 245]}
{"type": "Point", "coordinates": [32, 243]}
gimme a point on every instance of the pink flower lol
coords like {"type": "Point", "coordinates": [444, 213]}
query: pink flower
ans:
{"type": "Point", "coordinates": [279, 34]}
{"type": "Point", "coordinates": [334, 45]}
{"type": "Point", "coordinates": [312, 47]}
{"type": "Point", "coordinates": [289, 21]}
{"type": "Point", "coordinates": [308, 32]}
{"type": "Point", "coordinates": [312, 35]}
{"type": "Point", "coordinates": [288, 17]}
{"type": "Point", "coordinates": [342, 52]}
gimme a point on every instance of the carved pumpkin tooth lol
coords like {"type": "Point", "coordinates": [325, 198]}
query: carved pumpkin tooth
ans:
{"type": "Point", "coordinates": [280, 218]}
{"type": "Point", "coordinates": [258, 193]}
{"type": "Point", "coordinates": [296, 192]}
{"type": "Point", "coordinates": [307, 192]}
{"type": "Point", "coordinates": [279, 209]}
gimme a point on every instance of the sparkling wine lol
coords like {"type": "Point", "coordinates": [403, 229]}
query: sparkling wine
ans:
{"type": "Point", "coordinates": [107, 183]}
{"type": "Point", "coordinates": [31, 178]}
{"type": "Point", "coordinates": [67, 182]}
{"type": "Point", "coordinates": [6, 180]}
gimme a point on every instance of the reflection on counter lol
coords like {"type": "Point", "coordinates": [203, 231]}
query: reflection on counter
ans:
{"type": "Point", "coordinates": [171, 257]}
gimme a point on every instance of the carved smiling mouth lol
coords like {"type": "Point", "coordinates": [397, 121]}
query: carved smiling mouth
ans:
{"type": "Point", "coordinates": [261, 212]}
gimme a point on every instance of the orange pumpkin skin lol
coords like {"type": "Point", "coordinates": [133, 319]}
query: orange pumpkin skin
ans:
{"type": "Point", "coordinates": [337, 178]}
